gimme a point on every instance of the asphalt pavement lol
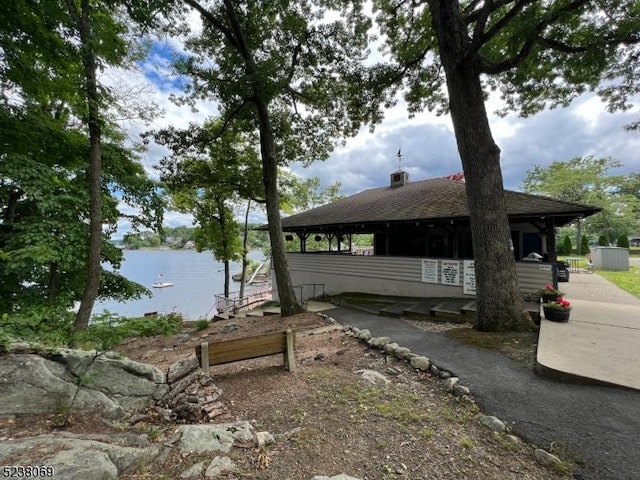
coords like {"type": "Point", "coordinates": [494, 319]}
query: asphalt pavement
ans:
{"type": "Point", "coordinates": [600, 425]}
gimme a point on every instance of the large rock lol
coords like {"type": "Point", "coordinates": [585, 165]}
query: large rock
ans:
{"type": "Point", "coordinates": [30, 383]}
{"type": "Point", "coordinates": [373, 377]}
{"type": "Point", "coordinates": [76, 459]}
{"type": "Point", "coordinates": [219, 465]}
{"type": "Point", "coordinates": [213, 438]}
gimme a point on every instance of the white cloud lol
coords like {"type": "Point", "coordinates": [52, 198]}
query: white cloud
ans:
{"type": "Point", "coordinates": [427, 141]}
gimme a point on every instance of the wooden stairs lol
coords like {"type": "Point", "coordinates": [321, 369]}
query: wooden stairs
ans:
{"type": "Point", "coordinates": [443, 309]}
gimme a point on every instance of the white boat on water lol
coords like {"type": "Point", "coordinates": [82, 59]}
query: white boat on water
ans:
{"type": "Point", "coordinates": [161, 284]}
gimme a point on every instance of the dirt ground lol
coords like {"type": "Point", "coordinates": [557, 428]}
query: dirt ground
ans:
{"type": "Point", "coordinates": [328, 420]}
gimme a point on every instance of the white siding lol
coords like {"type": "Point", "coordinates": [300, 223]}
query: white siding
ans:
{"type": "Point", "coordinates": [386, 275]}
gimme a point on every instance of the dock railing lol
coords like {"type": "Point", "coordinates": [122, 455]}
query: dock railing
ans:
{"type": "Point", "coordinates": [234, 303]}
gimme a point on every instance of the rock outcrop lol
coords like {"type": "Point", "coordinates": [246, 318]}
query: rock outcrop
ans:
{"type": "Point", "coordinates": [76, 458]}
{"type": "Point", "coordinates": [47, 383]}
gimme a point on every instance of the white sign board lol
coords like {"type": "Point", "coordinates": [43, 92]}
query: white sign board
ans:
{"type": "Point", "coordinates": [429, 270]}
{"type": "Point", "coordinates": [469, 279]}
{"type": "Point", "coordinates": [450, 272]}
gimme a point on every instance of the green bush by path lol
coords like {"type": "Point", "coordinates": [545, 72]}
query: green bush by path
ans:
{"type": "Point", "coordinates": [54, 328]}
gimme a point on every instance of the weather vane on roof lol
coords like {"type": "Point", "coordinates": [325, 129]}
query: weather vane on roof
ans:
{"type": "Point", "coordinates": [400, 159]}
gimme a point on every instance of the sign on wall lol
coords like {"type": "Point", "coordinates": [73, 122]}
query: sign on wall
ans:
{"type": "Point", "coordinates": [429, 270]}
{"type": "Point", "coordinates": [469, 278]}
{"type": "Point", "coordinates": [450, 272]}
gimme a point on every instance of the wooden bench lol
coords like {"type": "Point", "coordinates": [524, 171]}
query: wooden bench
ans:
{"type": "Point", "coordinates": [218, 353]}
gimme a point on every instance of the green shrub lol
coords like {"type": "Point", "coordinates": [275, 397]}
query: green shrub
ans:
{"type": "Point", "coordinates": [108, 329]}
{"type": "Point", "coordinates": [202, 324]}
{"type": "Point", "coordinates": [54, 327]}
{"type": "Point", "coordinates": [584, 245]}
{"type": "Point", "coordinates": [623, 241]}
{"type": "Point", "coordinates": [567, 247]}
{"type": "Point", "coordinates": [49, 326]}
{"type": "Point", "coordinates": [602, 241]}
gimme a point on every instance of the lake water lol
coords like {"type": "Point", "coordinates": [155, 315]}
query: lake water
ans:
{"type": "Point", "coordinates": [197, 277]}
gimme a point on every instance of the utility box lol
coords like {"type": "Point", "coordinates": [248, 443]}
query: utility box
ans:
{"type": "Point", "coordinates": [610, 258]}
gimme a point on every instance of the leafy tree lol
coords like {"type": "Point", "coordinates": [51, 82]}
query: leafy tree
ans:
{"type": "Point", "coordinates": [567, 248]}
{"type": "Point", "coordinates": [584, 245]}
{"type": "Point", "coordinates": [209, 172]}
{"type": "Point", "coordinates": [257, 239]}
{"type": "Point", "coordinates": [602, 241]}
{"type": "Point", "coordinates": [623, 241]}
{"type": "Point", "coordinates": [587, 180]}
{"type": "Point", "coordinates": [299, 195]}
{"type": "Point", "coordinates": [284, 69]}
{"type": "Point", "coordinates": [49, 116]}
{"type": "Point", "coordinates": [447, 55]}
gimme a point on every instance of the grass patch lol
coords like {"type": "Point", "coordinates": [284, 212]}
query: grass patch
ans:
{"type": "Point", "coordinates": [627, 281]}
{"type": "Point", "coordinates": [466, 442]}
{"type": "Point", "coordinates": [518, 346]}
{"type": "Point", "coordinates": [202, 324]}
{"type": "Point", "coordinates": [459, 413]}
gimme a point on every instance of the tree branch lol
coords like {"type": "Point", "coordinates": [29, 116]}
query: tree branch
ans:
{"type": "Point", "coordinates": [471, 15]}
{"type": "Point", "coordinates": [215, 23]}
{"type": "Point", "coordinates": [486, 37]}
{"type": "Point", "coordinates": [481, 22]}
{"type": "Point", "coordinates": [241, 42]}
{"type": "Point", "coordinates": [229, 118]}
{"type": "Point", "coordinates": [527, 47]}
{"type": "Point", "coordinates": [294, 62]}
{"type": "Point", "coordinates": [559, 46]}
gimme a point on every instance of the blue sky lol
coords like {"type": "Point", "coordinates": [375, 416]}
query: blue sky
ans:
{"type": "Point", "coordinates": [427, 142]}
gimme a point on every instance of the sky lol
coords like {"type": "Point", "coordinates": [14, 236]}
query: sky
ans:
{"type": "Point", "coordinates": [427, 142]}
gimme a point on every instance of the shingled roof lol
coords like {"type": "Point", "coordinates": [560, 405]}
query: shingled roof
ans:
{"type": "Point", "coordinates": [433, 199]}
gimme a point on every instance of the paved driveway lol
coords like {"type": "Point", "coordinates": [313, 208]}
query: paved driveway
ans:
{"type": "Point", "coordinates": [600, 424]}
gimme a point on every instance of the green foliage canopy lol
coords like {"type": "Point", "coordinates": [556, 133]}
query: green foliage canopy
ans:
{"type": "Point", "coordinates": [43, 158]}
{"type": "Point", "coordinates": [588, 180]}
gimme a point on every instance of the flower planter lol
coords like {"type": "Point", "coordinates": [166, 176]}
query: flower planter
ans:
{"type": "Point", "coordinates": [556, 314]}
{"type": "Point", "coordinates": [549, 297]}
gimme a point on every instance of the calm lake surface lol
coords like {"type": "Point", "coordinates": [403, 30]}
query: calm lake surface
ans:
{"type": "Point", "coordinates": [197, 277]}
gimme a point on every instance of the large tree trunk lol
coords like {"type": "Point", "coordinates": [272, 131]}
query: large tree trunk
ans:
{"type": "Point", "coordinates": [288, 302]}
{"type": "Point", "coordinates": [244, 250]}
{"type": "Point", "coordinates": [94, 268]}
{"type": "Point", "coordinates": [227, 274]}
{"type": "Point", "coordinates": [52, 284]}
{"type": "Point", "coordinates": [222, 220]}
{"type": "Point", "coordinates": [500, 305]}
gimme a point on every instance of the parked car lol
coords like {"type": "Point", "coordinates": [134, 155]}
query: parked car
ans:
{"type": "Point", "coordinates": [563, 271]}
